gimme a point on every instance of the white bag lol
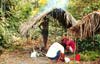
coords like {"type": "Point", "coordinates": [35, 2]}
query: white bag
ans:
{"type": "Point", "coordinates": [67, 59]}
{"type": "Point", "coordinates": [34, 54]}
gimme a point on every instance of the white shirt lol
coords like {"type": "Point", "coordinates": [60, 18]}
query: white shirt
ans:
{"type": "Point", "coordinates": [54, 48]}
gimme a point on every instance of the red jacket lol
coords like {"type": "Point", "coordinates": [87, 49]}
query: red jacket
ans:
{"type": "Point", "coordinates": [68, 42]}
{"type": "Point", "coordinates": [71, 44]}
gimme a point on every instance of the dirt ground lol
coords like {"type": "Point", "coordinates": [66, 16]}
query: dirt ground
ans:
{"type": "Point", "coordinates": [21, 58]}
{"type": "Point", "coordinates": [24, 58]}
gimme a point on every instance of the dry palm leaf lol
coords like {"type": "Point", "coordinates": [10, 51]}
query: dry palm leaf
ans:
{"type": "Point", "coordinates": [89, 26]}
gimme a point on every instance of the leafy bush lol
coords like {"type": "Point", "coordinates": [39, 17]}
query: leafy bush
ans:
{"type": "Point", "coordinates": [80, 8]}
{"type": "Point", "coordinates": [92, 7]}
{"type": "Point", "coordinates": [89, 44]}
{"type": "Point", "coordinates": [13, 13]}
{"type": "Point", "coordinates": [89, 55]}
{"type": "Point", "coordinates": [89, 48]}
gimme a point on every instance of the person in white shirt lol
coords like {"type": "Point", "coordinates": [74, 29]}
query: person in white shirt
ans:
{"type": "Point", "coordinates": [55, 52]}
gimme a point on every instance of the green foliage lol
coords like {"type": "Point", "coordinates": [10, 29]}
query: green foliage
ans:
{"type": "Point", "coordinates": [13, 13]}
{"type": "Point", "coordinates": [80, 8]}
{"type": "Point", "coordinates": [5, 35]}
{"type": "Point", "coordinates": [89, 55]}
{"type": "Point", "coordinates": [92, 7]}
{"type": "Point", "coordinates": [89, 44]}
{"type": "Point", "coordinates": [55, 31]}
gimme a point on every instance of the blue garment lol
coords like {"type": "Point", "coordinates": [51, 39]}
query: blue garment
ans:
{"type": "Point", "coordinates": [56, 57]}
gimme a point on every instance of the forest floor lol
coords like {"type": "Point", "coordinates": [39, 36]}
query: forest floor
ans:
{"type": "Point", "coordinates": [23, 57]}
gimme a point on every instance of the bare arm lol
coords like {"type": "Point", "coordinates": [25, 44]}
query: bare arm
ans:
{"type": "Point", "coordinates": [61, 57]}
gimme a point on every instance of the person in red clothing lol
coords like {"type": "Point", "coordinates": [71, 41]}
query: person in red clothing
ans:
{"type": "Point", "coordinates": [71, 45]}
{"type": "Point", "coordinates": [68, 43]}
{"type": "Point", "coordinates": [64, 40]}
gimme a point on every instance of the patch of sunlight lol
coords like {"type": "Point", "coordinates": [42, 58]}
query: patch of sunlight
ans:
{"type": "Point", "coordinates": [35, 11]}
{"type": "Point", "coordinates": [42, 2]}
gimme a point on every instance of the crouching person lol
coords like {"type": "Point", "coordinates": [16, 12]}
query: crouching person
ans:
{"type": "Point", "coordinates": [55, 52]}
{"type": "Point", "coordinates": [68, 43]}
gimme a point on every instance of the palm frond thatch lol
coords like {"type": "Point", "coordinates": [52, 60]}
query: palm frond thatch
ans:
{"type": "Point", "coordinates": [64, 18]}
{"type": "Point", "coordinates": [89, 26]}
{"type": "Point", "coordinates": [31, 23]}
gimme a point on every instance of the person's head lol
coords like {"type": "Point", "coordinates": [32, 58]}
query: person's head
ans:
{"type": "Point", "coordinates": [69, 37]}
{"type": "Point", "coordinates": [64, 35]}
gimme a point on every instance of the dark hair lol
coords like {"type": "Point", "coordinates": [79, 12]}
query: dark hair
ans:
{"type": "Point", "coordinates": [65, 34]}
{"type": "Point", "coordinates": [64, 45]}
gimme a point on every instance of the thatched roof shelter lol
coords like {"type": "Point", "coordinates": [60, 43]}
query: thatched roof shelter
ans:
{"type": "Point", "coordinates": [65, 19]}
{"type": "Point", "coordinates": [88, 26]}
